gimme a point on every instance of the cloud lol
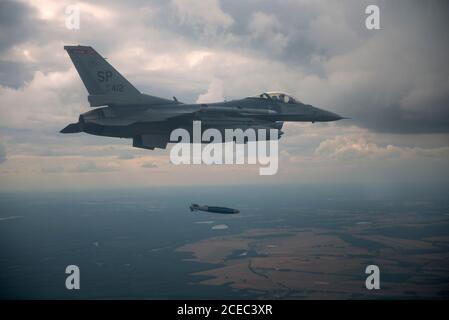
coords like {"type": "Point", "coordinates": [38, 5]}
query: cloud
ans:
{"type": "Point", "coordinates": [125, 156]}
{"type": "Point", "coordinates": [214, 92]}
{"type": "Point", "coordinates": [14, 74]}
{"type": "Point", "coordinates": [49, 100]}
{"type": "Point", "coordinates": [2, 153]}
{"type": "Point", "coordinates": [16, 23]}
{"type": "Point", "coordinates": [204, 16]}
{"type": "Point", "coordinates": [391, 80]}
{"type": "Point", "coordinates": [90, 167]}
{"type": "Point", "coordinates": [265, 28]}
{"type": "Point", "coordinates": [351, 148]}
{"type": "Point", "coordinates": [55, 169]}
{"type": "Point", "coordinates": [149, 165]}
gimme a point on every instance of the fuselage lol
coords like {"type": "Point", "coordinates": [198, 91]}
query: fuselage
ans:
{"type": "Point", "coordinates": [127, 121]}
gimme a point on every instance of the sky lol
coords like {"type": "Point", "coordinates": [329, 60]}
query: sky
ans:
{"type": "Point", "coordinates": [393, 83]}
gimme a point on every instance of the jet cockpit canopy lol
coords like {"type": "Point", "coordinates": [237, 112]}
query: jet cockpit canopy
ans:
{"type": "Point", "coordinates": [278, 97]}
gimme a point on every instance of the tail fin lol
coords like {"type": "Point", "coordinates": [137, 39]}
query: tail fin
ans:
{"type": "Point", "coordinates": [98, 76]}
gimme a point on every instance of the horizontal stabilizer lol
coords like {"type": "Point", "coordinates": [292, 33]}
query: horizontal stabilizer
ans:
{"type": "Point", "coordinates": [72, 128]}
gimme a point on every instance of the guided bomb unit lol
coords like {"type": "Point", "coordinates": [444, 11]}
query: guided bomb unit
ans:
{"type": "Point", "coordinates": [222, 210]}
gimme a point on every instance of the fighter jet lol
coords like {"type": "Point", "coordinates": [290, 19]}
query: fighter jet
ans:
{"type": "Point", "coordinates": [123, 111]}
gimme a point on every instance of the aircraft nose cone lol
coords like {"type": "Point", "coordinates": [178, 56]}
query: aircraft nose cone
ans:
{"type": "Point", "coordinates": [333, 116]}
{"type": "Point", "coordinates": [321, 115]}
{"type": "Point", "coordinates": [326, 116]}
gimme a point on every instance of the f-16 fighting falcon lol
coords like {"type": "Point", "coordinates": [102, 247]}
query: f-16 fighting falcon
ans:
{"type": "Point", "coordinates": [126, 113]}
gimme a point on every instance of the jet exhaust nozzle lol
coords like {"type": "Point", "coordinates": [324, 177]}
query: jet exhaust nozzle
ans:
{"type": "Point", "coordinates": [72, 128]}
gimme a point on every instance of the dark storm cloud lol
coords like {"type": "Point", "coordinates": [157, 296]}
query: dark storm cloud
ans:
{"type": "Point", "coordinates": [408, 86]}
{"type": "Point", "coordinates": [413, 46]}
{"type": "Point", "coordinates": [15, 74]}
{"type": "Point", "coordinates": [391, 118]}
{"type": "Point", "coordinates": [404, 87]}
{"type": "Point", "coordinates": [16, 23]}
